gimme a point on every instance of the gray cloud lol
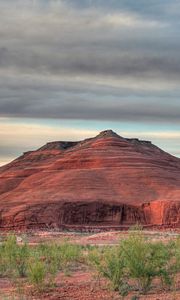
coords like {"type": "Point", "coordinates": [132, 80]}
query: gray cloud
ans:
{"type": "Point", "coordinates": [73, 103]}
{"type": "Point", "coordinates": [101, 60]}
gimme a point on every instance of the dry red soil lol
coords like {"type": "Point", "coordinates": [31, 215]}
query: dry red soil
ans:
{"type": "Point", "coordinates": [100, 239]}
{"type": "Point", "coordinates": [81, 286]}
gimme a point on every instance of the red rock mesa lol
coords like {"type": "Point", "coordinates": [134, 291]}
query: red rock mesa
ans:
{"type": "Point", "coordinates": [107, 180]}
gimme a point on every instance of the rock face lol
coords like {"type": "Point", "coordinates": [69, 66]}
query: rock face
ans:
{"type": "Point", "coordinates": [107, 180]}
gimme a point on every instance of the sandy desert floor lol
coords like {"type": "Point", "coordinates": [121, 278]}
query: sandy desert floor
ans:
{"type": "Point", "coordinates": [82, 283]}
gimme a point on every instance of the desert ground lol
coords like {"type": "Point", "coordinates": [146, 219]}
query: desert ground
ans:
{"type": "Point", "coordinates": [81, 281]}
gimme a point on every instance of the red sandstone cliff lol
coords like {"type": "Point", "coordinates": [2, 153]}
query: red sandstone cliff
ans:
{"type": "Point", "coordinates": [105, 180]}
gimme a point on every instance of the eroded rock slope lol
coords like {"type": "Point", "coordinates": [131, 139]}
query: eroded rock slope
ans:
{"type": "Point", "coordinates": [106, 180]}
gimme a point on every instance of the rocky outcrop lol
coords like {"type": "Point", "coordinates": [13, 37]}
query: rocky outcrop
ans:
{"type": "Point", "coordinates": [107, 180]}
{"type": "Point", "coordinates": [57, 215]}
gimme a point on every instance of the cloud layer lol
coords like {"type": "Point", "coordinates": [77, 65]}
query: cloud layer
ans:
{"type": "Point", "coordinates": [60, 59]}
{"type": "Point", "coordinates": [90, 60]}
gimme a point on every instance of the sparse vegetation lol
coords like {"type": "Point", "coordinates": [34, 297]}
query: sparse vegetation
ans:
{"type": "Point", "coordinates": [39, 264]}
{"type": "Point", "coordinates": [13, 258]}
{"type": "Point", "coordinates": [136, 262]}
{"type": "Point", "coordinates": [133, 265]}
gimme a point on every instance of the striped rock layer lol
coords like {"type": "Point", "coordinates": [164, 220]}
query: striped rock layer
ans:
{"type": "Point", "coordinates": [107, 181]}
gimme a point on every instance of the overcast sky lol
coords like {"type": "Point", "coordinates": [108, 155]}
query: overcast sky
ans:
{"type": "Point", "coordinates": [69, 69]}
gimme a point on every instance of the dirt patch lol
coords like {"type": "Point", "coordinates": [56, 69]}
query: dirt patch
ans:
{"type": "Point", "coordinates": [80, 286]}
{"type": "Point", "coordinates": [102, 238]}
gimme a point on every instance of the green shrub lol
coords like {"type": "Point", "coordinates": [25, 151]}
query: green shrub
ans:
{"type": "Point", "coordinates": [109, 262]}
{"type": "Point", "coordinates": [21, 260]}
{"type": "Point", "coordinates": [56, 257]}
{"type": "Point", "coordinates": [146, 260]}
{"type": "Point", "coordinates": [40, 263]}
{"type": "Point", "coordinates": [137, 260]}
{"type": "Point", "coordinates": [68, 253]}
{"type": "Point", "coordinates": [176, 247]}
{"type": "Point", "coordinates": [62, 253]}
{"type": "Point", "coordinates": [8, 254]}
{"type": "Point", "coordinates": [37, 274]}
{"type": "Point", "coordinates": [13, 258]}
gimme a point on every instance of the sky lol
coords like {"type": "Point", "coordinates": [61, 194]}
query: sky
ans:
{"type": "Point", "coordinates": [69, 69]}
